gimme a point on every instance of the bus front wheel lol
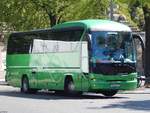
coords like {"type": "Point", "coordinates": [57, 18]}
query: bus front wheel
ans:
{"type": "Point", "coordinates": [69, 86]}
{"type": "Point", "coordinates": [109, 93]}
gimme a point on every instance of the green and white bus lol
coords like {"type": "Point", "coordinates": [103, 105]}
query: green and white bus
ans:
{"type": "Point", "coordinates": [80, 56]}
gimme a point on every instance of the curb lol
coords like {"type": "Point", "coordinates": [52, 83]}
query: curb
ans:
{"type": "Point", "coordinates": [138, 91]}
{"type": "Point", "coordinates": [2, 82]}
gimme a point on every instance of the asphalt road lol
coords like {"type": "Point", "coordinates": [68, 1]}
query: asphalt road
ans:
{"type": "Point", "coordinates": [12, 101]}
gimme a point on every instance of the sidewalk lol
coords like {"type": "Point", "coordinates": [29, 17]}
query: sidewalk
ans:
{"type": "Point", "coordinates": [2, 82]}
{"type": "Point", "coordinates": [140, 90]}
{"type": "Point", "coordinates": [2, 74]}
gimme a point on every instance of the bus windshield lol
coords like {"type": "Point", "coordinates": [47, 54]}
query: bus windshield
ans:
{"type": "Point", "coordinates": [112, 47]}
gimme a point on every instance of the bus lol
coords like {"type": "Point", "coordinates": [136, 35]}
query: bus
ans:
{"type": "Point", "coordinates": [79, 56]}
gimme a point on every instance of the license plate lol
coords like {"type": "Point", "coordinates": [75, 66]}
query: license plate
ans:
{"type": "Point", "coordinates": [115, 85]}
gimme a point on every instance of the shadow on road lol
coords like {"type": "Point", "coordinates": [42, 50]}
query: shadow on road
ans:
{"type": "Point", "coordinates": [54, 96]}
{"type": "Point", "coordinates": [143, 105]}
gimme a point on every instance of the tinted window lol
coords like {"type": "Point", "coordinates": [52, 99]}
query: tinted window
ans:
{"type": "Point", "coordinates": [20, 44]}
{"type": "Point", "coordinates": [76, 35]}
{"type": "Point", "coordinates": [43, 41]}
{"type": "Point", "coordinates": [70, 35]}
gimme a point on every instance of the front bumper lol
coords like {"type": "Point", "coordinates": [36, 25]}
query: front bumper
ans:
{"type": "Point", "coordinates": [102, 82]}
{"type": "Point", "coordinates": [117, 85]}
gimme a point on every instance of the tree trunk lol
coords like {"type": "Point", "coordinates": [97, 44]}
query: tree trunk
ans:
{"type": "Point", "coordinates": [53, 19]}
{"type": "Point", "coordinates": [146, 11]}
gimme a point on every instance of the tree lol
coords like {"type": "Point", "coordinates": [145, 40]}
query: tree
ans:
{"type": "Point", "coordinates": [32, 14]}
{"type": "Point", "coordinates": [21, 15]}
{"type": "Point", "coordinates": [55, 9]}
{"type": "Point", "coordinates": [88, 9]}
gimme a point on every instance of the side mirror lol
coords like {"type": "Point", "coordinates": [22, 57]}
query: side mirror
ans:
{"type": "Point", "coordinates": [140, 39]}
{"type": "Point", "coordinates": [140, 48]}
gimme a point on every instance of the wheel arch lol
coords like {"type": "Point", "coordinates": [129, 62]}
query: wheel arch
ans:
{"type": "Point", "coordinates": [68, 77]}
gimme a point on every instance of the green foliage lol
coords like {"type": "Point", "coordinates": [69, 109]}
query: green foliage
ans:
{"type": "Point", "coordinates": [95, 9]}
{"type": "Point", "coordinates": [55, 9]}
{"type": "Point", "coordinates": [86, 9]}
{"type": "Point", "coordinates": [33, 14]}
{"type": "Point", "coordinates": [21, 15]}
{"type": "Point", "coordinates": [138, 9]}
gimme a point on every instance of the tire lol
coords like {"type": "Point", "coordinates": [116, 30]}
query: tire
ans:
{"type": "Point", "coordinates": [69, 87]}
{"type": "Point", "coordinates": [25, 86]}
{"type": "Point", "coordinates": [109, 93]}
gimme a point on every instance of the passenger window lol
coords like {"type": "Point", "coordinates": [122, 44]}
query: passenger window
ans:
{"type": "Point", "coordinates": [19, 44]}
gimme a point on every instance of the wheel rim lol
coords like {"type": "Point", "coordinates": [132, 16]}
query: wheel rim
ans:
{"type": "Point", "coordinates": [71, 86]}
{"type": "Point", "coordinates": [25, 85]}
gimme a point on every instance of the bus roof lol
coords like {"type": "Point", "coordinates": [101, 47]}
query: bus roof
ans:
{"type": "Point", "coordinates": [95, 25]}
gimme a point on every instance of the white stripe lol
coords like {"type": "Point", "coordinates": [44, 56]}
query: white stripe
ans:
{"type": "Point", "coordinates": [111, 27]}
